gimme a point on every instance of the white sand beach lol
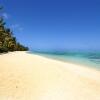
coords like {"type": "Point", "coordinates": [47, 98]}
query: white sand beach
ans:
{"type": "Point", "coordinates": [26, 76]}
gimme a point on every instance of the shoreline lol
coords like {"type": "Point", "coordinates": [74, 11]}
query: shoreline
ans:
{"type": "Point", "coordinates": [89, 65]}
{"type": "Point", "coordinates": [80, 66]}
{"type": "Point", "coordinates": [25, 76]}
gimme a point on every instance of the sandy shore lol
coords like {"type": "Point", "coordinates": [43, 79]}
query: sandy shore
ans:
{"type": "Point", "coordinates": [25, 76]}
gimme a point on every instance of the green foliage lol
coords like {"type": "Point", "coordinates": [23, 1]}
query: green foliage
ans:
{"type": "Point", "coordinates": [7, 41]}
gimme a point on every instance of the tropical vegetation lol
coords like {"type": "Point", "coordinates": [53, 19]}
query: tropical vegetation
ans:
{"type": "Point", "coordinates": [7, 41]}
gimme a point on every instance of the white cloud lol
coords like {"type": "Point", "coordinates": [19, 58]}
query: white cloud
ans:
{"type": "Point", "coordinates": [17, 27]}
{"type": "Point", "coordinates": [14, 26]}
{"type": "Point", "coordinates": [5, 15]}
{"type": "Point", "coordinates": [21, 29]}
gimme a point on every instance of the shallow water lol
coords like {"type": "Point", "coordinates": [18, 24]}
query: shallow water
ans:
{"type": "Point", "coordinates": [91, 59]}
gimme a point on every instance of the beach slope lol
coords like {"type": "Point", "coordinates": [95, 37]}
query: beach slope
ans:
{"type": "Point", "coordinates": [26, 76]}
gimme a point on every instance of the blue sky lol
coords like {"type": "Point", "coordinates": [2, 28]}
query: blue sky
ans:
{"type": "Point", "coordinates": [54, 24]}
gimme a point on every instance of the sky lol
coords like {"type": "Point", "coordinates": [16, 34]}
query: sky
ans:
{"type": "Point", "coordinates": [54, 24]}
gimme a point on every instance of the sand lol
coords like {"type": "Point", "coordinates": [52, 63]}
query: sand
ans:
{"type": "Point", "coordinates": [26, 76]}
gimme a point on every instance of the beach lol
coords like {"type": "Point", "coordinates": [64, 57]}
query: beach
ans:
{"type": "Point", "coordinates": [25, 76]}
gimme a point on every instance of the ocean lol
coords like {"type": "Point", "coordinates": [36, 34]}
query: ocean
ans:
{"type": "Point", "coordinates": [90, 59]}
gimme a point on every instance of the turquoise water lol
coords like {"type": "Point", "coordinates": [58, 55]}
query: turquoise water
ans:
{"type": "Point", "coordinates": [91, 59]}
